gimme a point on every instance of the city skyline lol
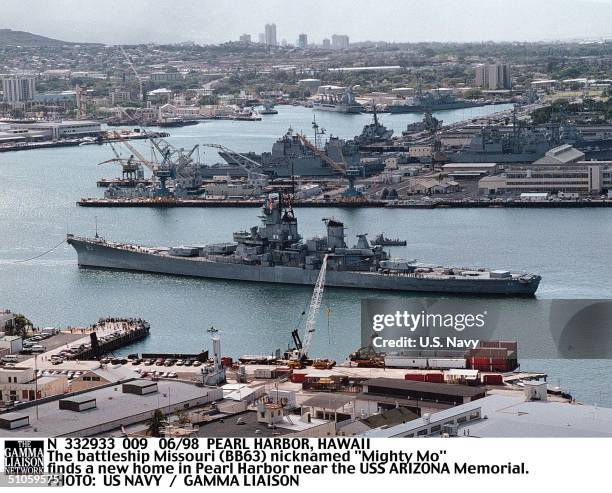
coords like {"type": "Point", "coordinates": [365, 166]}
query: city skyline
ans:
{"type": "Point", "coordinates": [206, 22]}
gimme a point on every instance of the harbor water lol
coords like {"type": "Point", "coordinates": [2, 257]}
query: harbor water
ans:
{"type": "Point", "coordinates": [568, 247]}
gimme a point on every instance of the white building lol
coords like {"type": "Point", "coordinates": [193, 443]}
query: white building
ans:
{"type": "Point", "coordinates": [339, 42]}
{"type": "Point", "coordinates": [271, 35]}
{"type": "Point", "coordinates": [63, 129]}
{"type": "Point", "coordinates": [16, 89]}
{"type": "Point", "coordinates": [21, 384]}
{"type": "Point", "coordinates": [562, 169]}
{"type": "Point", "coordinates": [494, 76]}
{"type": "Point", "coordinates": [10, 344]}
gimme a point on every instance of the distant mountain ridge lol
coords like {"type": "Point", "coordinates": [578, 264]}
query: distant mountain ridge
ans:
{"type": "Point", "coordinates": [23, 38]}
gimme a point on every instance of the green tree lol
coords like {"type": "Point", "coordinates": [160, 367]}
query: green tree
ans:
{"type": "Point", "coordinates": [21, 325]}
{"type": "Point", "coordinates": [157, 424]}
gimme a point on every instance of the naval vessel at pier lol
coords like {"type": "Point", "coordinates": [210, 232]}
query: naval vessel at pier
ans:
{"type": "Point", "coordinates": [275, 253]}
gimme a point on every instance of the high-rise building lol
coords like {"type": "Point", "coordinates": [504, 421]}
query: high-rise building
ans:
{"type": "Point", "coordinates": [340, 42]}
{"type": "Point", "coordinates": [326, 44]}
{"type": "Point", "coordinates": [499, 76]}
{"type": "Point", "coordinates": [18, 88]}
{"type": "Point", "coordinates": [495, 76]}
{"type": "Point", "coordinates": [261, 38]}
{"type": "Point", "coordinates": [481, 75]}
{"type": "Point", "coordinates": [271, 34]}
{"type": "Point", "coordinates": [245, 38]}
{"type": "Point", "coordinates": [302, 41]}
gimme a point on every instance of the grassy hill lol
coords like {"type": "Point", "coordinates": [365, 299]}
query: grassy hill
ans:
{"type": "Point", "coordinates": [23, 38]}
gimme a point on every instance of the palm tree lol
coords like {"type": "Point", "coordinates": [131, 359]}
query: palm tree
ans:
{"type": "Point", "coordinates": [157, 424]}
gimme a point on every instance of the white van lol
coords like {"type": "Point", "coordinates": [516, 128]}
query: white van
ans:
{"type": "Point", "coordinates": [9, 358]}
{"type": "Point", "coordinates": [37, 348]}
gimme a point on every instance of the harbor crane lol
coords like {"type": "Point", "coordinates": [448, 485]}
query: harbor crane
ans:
{"type": "Point", "coordinates": [132, 169]}
{"type": "Point", "coordinates": [299, 356]}
{"type": "Point", "coordinates": [351, 173]}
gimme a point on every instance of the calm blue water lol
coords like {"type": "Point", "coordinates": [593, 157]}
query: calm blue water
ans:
{"type": "Point", "coordinates": [37, 207]}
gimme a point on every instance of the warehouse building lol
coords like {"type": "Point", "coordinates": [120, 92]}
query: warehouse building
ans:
{"type": "Point", "coordinates": [562, 169]}
{"type": "Point", "coordinates": [59, 130]}
{"type": "Point", "coordinates": [105, 409]}
{"type": "Point", "coordinates": [381, 394]}
{"type": "Point", "coordinates": [511, 415]}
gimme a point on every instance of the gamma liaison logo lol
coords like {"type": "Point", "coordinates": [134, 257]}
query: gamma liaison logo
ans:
{"type": "Point", "coordinates": [24, 457]}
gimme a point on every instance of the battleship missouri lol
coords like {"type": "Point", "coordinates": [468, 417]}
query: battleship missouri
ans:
{"type": "Point", "coordinates": [274, 252]}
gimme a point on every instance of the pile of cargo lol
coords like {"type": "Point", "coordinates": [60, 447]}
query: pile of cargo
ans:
{"type": "Point", "coordinates": [271, 372]}
{"type": "Point", "coordinates": [468, 377]}
{"type": "Point", "coordinates": [494, 356]}
{"type": "Point", "coordinates": [488, 356]}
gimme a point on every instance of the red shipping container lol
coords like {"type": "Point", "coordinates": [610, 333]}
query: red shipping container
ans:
{"type": "Point", "coordinates": [416, 377]}
{"type": "Point", "coordinates": [496, 379]}
{"type": "Point", "coordinates": [226, 361]}
{"type": "Point", "coordinates": [480, 361]}
{"type": "Point", "coordinates": [298, 377]}
{"type": "Point", "coordinates": [434, 377]}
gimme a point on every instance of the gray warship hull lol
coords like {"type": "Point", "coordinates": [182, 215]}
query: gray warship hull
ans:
{"type": "Point", "coordinates": [338, 108]}
{"type": "Point", "coordinates": [94, 253]}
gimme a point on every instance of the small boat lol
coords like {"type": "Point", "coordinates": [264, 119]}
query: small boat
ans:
{"type": "Point", "coordinates": [384, 241]}
{"type": "Point", "coordinates": [268, 109]}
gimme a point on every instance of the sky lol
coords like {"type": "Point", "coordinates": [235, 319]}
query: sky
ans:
{"type": "Point", "coordinates": [217, 21]}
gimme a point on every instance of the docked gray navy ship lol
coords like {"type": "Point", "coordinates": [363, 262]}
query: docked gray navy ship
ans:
{"type": "Point", "coordinates": [275, 253]}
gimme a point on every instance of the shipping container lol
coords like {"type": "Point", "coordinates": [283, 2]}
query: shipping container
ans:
{"type": "Point", "coordinates": [434, 377]}
{"type": "Point", "coordinates": [446, 363]}
{"type": "Point", "coordinates": [265, 373]}
{"type": "Point", "coordinates": [415, 377]}
{"type": "Point", "coordinates": [495, 379]}
{"type": "Point", "coordinates": [401, 361]}
{"type": "Point", "coordinates": [298, 377]}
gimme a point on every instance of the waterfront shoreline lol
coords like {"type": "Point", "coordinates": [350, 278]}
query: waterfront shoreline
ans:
{"type": "Point", "coordinates": [169, 203]}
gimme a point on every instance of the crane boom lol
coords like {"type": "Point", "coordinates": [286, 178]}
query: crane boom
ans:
{"type": "Point", "coordinates": [313, 310]}
{"type": "Point", "coordinates": [248, 170]}
{"type": "Point", "coordinates": [131, 65]}
{"type": "Point", "coordinates": [338, 167]}
{"type": "Point", "coordinates": [134, 151]}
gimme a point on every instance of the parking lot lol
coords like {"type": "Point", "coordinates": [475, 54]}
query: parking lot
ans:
{"type": "Point", "coordinates": [159, 367]}
{"type": "Point", "coordinates": [62, 339]}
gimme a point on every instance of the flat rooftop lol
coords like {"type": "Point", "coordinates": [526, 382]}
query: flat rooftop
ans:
{"type": "Point", "coordinates": [112, 405]}
{"type": "Point", "coordinates": [246, 425]}
{"type": "Point", "coordinates": [509, 415]}
{"type": "Point", "coordinates": [413, 386]}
